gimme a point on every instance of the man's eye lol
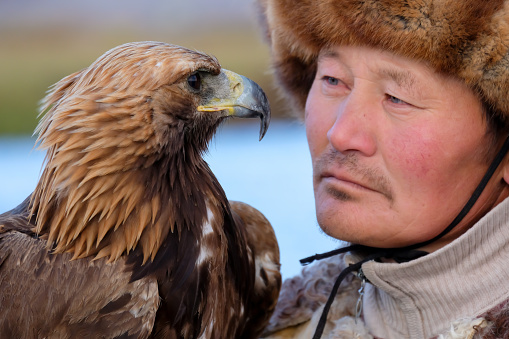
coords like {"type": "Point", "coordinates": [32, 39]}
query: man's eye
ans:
{"type": "Point", "coordinates": [194, 81]}
{"type": "Point", "coordinates": [331, 80]}
{"type": "Point", "coordinates": [395, 100]}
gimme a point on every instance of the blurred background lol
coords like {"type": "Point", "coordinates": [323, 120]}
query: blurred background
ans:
{"type": "Point", "coordinates": [42, 42]}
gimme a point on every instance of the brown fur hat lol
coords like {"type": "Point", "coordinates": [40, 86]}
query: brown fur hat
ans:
{"type": "Point", "coordinates": [468, 39]}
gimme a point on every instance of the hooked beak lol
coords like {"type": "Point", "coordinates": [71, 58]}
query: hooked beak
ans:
{"type": "Point", "coordinates": [245, 99]}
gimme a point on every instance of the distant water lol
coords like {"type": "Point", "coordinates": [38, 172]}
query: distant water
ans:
{"type": "Point", "coordinates": [273, 175]}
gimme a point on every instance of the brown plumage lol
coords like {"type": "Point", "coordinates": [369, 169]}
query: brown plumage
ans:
{"type": "Point", "coordinates": [128, 233]}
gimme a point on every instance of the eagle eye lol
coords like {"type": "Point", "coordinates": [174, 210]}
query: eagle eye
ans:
{"type": "Point", "coordinates": [194, 81]}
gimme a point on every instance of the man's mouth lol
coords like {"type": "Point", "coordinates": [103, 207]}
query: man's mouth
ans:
{"type": "Point", "coordinates": [344, 180]}
{"type": "Point", "coordinates": [340, 181]}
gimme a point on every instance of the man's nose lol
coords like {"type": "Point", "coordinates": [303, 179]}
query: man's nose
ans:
{"type": "Point", "coordinates": [354, 127]}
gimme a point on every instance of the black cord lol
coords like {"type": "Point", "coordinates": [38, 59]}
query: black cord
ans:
{"type": "Point", "coordinates": [309, 260]}
{"type": "Point", "coordinates": [325, 312]}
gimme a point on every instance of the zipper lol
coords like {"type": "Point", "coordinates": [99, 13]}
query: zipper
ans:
{"type": "Point", "coordinates": [358, 306]}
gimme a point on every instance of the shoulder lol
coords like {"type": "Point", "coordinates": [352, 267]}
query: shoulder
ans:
{"type": "Point", "coordinates": [302, 298]}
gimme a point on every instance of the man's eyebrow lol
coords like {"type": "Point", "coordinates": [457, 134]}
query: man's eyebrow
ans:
{"type": "Point", "coordinates": [403, 79]}
{"type": "Point", "coordinates": [328, 54]}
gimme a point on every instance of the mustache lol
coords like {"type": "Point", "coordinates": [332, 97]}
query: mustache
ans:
{"type": "Point", "coordinates": [371, 177]}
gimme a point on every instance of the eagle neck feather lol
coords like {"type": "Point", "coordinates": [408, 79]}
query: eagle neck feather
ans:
{"type": "Point", "coordinates": [116, 211]}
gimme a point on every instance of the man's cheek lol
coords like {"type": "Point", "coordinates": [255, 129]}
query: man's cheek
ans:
{"type": "Point", "coordinates": [411, 156]}
{"type": "Point", "coordinates": [317, 140]}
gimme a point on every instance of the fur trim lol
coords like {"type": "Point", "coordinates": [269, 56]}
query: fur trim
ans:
{"type": "Point", "coordinates": [468, 39]}
{"type": "Point", "coordinates": [464, 329]}
{"type": "Point", "coordinates": [302, 297]}
{"type": "Point", "coordinates": [497, 323]}
{"type": "Point", "coordinates": [348, 328]}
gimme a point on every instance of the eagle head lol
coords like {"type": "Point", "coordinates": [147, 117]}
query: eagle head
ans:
{"type": "Point", "coordinates": [121, 134]}
{"type": "Point", "coordinates": [151, 93]}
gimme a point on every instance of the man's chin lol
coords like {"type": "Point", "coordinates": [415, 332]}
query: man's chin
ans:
{"type": "Point", "coordinates": [344, 223]}
{"type": "Point", "coordinates": [333, 227]}
{"type": "Point", "coordinates": [343, 235]}
{"type": "Point", "coordinates": [353, 233]}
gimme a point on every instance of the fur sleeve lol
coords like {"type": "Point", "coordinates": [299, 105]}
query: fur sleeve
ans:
{"type": "Point", "coordinates": [305, 294]}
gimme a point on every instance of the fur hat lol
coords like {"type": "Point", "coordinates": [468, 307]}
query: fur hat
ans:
{"type": "Point", "coordinates": [468, 39]}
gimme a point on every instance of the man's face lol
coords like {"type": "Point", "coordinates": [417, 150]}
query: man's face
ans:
{"type": "Point", "coordinates": [397, 149]}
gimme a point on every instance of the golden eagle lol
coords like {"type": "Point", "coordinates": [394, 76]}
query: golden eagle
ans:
{"type": "Point", "coordinates": [128, 233]}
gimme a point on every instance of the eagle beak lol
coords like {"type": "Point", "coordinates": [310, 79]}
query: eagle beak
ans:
{"type": "Point", "coordinates": [245, 99]}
